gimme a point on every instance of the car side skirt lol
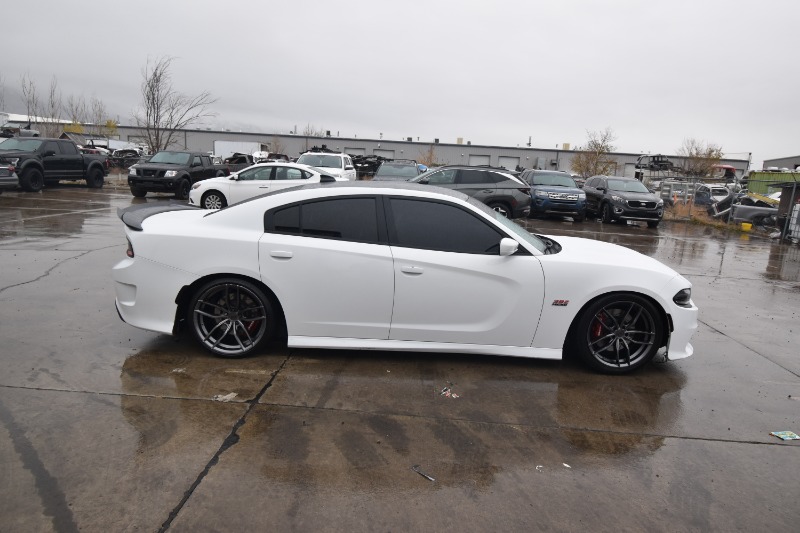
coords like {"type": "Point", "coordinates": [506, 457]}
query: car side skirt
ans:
{"type": "Point", "coordinates": [416, 346]}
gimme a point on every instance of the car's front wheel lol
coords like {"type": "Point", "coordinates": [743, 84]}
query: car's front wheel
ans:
{"type": "Point", "coordinates": [31, 180]}
{"type": "Point", "coordinates": [138, 193]}
{"type": "Point", "coordinates": [95, 179]}
{"type": "Point", "coordinates": [183, 189]}
{"type": "Point", "coordinates": [608, 213]}
{"type": "Point", "coordinates": [652, 223]}
{"type": "Point", "coordinates": [619, 333]}
{"type": "Point", "coordinates": [231, 317]}
{"type": "Point", "coordinates": [213, 200]}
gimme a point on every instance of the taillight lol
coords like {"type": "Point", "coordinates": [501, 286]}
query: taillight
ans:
{"type": "Point", "coordinates": [129, 251]}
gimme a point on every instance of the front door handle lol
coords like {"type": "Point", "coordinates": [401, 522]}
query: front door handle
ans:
{"type": "Point", "coordinates": [280, 254]}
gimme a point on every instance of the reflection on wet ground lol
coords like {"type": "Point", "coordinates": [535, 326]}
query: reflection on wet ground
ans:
{"type": "Point", "coordinates": [105, 427]}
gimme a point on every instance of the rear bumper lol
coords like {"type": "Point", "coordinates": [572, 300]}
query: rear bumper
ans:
{"type": "Point", "coordinates": [9, 182]}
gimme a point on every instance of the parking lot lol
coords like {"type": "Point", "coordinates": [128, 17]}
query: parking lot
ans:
{"type": "Point", "coordinates": [104, 427]}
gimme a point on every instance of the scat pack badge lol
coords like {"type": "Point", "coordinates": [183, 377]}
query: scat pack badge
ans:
{"type": "Point", "coordinates": [560, 303]}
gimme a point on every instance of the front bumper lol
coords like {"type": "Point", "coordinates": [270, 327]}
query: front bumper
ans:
{"type": "Point", "coordinates": [684, 324]}
{"type": "Point", "coordinates": [556, 207]}
{"type": "Point", "coordinates": [153, 184]}
{"type": "Point", "coordinates": [624, 212]}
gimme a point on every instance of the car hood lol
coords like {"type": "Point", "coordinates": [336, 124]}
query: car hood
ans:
{"type": "Point", "coordinates": [588, 251]}
{"type": "Point", "coordinates": [160, 166]}
{"type": "Point", "coordinates": [15, 153]}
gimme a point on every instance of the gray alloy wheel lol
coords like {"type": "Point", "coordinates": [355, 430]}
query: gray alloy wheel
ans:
{"type": "Point", "coordinates": [231, 317]}
{"type": "Point", "coordinates": [619, 333]}
{"type": "Point", "coordinates": [94, 179]}
{"type": "Point", "coordinates": [213, 200]}
{"type": "Point", "coordinates": [502, 209]}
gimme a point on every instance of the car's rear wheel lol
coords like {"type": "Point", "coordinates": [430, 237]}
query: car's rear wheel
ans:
{"type": "Point", "coordinates": [31, 180]}
{"type": "Point", "coordinates": [183, 189]}
{"type": "Point", "coordinates": [503, 209]}
{"type": "Point", "coordinates": [608, 215]}
{"type": "Point", "coordinates": [95, 179]}
{"type": "Point", "coordinates": [619, 333]}
{"type": "Point", "coordinates": [213, 200]}
{"type": "Point", "coordinates": [231, 317]}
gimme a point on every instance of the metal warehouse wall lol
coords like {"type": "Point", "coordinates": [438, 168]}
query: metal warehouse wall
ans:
{"type": "Point", "coordinates": [785, 162]}
{"type": "Point", "coordinates": [294, 145]}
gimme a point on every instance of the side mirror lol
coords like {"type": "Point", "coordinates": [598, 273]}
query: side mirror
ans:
{"type": "Point", "coordinates": [349, 167]}
{"type": "Point", "coordinates": [234, 177]}
{"type": "Point", "coordinates": [601, 189]}
{"type": "Point", "coordinates": [508, 246]}
{"type": "Point", "coordinates": [424, 180]}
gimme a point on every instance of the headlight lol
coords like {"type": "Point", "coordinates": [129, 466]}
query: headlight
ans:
{"type": "Point", "coordinates": [543, 194]}
{"type": "Point", "coordinates": [617, 199]}
{"type": "Point", "coordinates": [683, 298]}
{"type": "Point", "coordinates": [13, 161]}
{"type": "Point", "coordinates": [660, 203]}
{"type": "Point", "coordinates": [196, 185]}
{"type": "Point", "coordinates": [132, 171]}
{"type": "Point", "coordinates": [170, 173]}
{"type": "Point", "coordinates": [581, 196]}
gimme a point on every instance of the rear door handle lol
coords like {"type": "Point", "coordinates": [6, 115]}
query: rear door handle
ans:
{"type": "Point", "coordinates": [414, 270]}
{"type": "Point", "coordinates": [280, 254]}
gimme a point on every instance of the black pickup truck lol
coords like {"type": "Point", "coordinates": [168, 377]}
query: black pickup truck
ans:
{"type": "Point", "coordinates": [39, 161]}
{"type": "Point", "coordinates": [174, 172]}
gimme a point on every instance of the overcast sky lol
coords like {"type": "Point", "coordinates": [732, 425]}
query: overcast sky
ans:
{"type": "Point", "coordinates": [493, 73]}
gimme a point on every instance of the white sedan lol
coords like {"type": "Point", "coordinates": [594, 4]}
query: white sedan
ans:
{"type": "Point", "coordinates": [377, 266]}
{"type": "Point", "coordinates": [216, 193]}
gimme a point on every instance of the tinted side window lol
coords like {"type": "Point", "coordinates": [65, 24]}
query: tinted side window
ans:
{"type": "Point", "coordinates": [497, 178]}
{"type": "Point", "coordinates": [443, 227]}
{"type": "Point", "coordinates": [196, 161]}
{"type": "Point", "coordinates": [68, 148]}
{"type": "Point", "coordinates": [206, 160]}
{"type": "Point", "coordinates": [350, 219]}
{"type": "Point", "coordinates": [51, 146]}
{"type": "Point", "coordinates": [287, 220]}
{"type": "Point", "coordinates": [468, 176]}
{"type": "Point", "coordinates": [443, 176]}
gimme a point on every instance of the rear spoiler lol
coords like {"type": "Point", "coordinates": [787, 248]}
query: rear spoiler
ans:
{"type": "Point", "coordinates": [135, 215]}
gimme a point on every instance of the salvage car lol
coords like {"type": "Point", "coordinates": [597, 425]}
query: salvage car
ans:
{"type": "Point", "coordinates": [616, 198]}
{"type": "Point", "coordinates": [495, 187]}
{"type": "Point", "coordinates": [216, 193]}
{"type": "Point", "coordinates": [555, 193]}
{"type": "Point", "coordinates": [333, 164]}
{"type": "Point", "coordinates": [394, 266]}
{"type": "Point", "coordinates": [39, 161]}
{"type": "Point", "coordinates": [397, 170]}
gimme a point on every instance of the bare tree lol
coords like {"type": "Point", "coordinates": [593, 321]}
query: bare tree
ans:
{"type": "Point", "coordinates": [311, 131]}
{"type": "Point", "coordinates": [75, 109]}
{"type": "Point", "coordinates": [595, 158]}
{"type": "Point", "coordinates": [51, 126]}
{"type": "Point", "coordinates": [164, 110]}
{"type": "Point", "coordinates": [427, 157]}
{"type": "Point", "coordinates": [699, 157]}
{"type": "Point", "coordinates": [277, 145]}
{"type": "Point", "coordinates": [97, 115]}
{"type": "Point", "coordinates": [31, 97]}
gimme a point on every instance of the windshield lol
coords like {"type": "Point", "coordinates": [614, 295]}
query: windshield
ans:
{"type": "Point", "coordinates": [321, 160]}
{"type": "Point", "coordinates": [27, 145]}
{"type": "Point", "coordinates": [171, 158]}
{"type": "Point", "coordinates": [626, 186]}
{"type": "Point", "coordinates": [558, 180]}
{"type": "Point", "coordinates": [399, 171]}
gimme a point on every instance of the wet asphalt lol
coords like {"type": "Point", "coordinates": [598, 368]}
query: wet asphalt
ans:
{"type": "Point", "coordinates": [104, 427]}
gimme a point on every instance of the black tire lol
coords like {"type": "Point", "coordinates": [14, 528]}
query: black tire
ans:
{"type": "Point", "coordinates": [231, 317]}
{"type": "Point", "coordinates": [653, 223]}
{"type": "Point", "coordinates": [579, 218]}
{"type": "Point", "coordinates": [183, 189]}
{"type": "Point", "coordinates": [607, 215]}
{"type": "Point", "coordinates": [213, 200]}
{"type": "Point", "coordinates": [220, 174]}
{"type": "Point", "coordinates": [138, 193]}
{"type": "Point", "coordinates": [619, 333]}
{"type": "Point", "coordinates": [31, 180]}
{"type": "Point", "coordinates": [501, 208]}
{"type": "Point", "coordinates": [95, 178]}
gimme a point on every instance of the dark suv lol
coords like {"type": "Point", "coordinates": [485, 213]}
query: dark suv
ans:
{"type": "Point", "coordinates": [555, 193]}
{"type": "Point", "coordinates": [397, 170]}
{"type": "Point", "coordinates": [495, 187]}
{"type": "Point", "coordinates": [617, 198]}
